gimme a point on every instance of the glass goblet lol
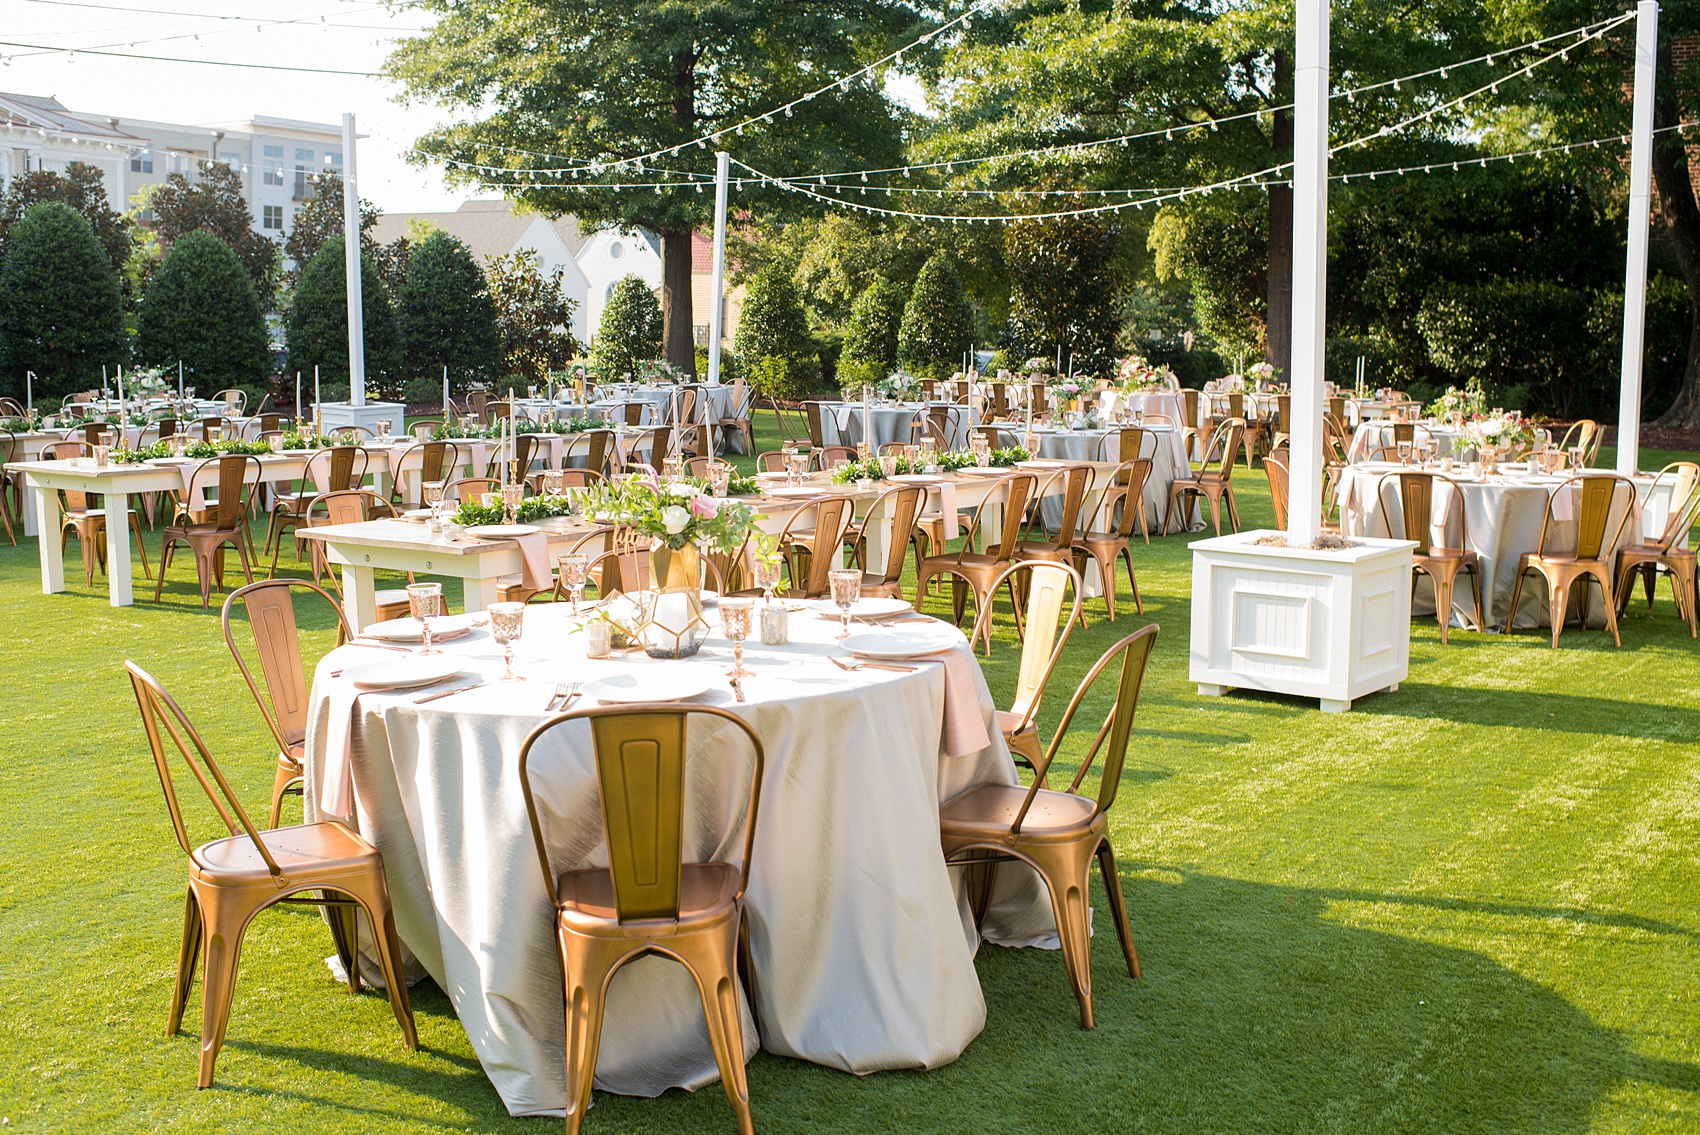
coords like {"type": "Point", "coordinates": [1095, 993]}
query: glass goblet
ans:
{"type": "Point", "coordinates": [384, 425]}
{"type": "Point", "coordinates": [552, 483]}
{"type": "Point", "coordinates": [431, 495]}
{"type": "Point", "coordinates": [507, 623]}
{"type": "Point", "coordinates": [512, 497]}
{"type": "Point", "coordinates": [846, 589]}
{"type": "Point", "coordinates": [735, 625]}
{"type": "Point", "coordinates": [425, 602]}
{"type": "Point", "coordinates": [719, 476]}
{"type": "Point", "coordinates": [575, 570]}
{"type": "Point", "coordinates": [767, 576]}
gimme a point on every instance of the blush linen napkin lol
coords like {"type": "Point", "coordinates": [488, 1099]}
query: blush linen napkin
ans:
{"type": "Point", "coordinates": [964, 731]}
{"type": "Point", "coordinates": [534, 561]}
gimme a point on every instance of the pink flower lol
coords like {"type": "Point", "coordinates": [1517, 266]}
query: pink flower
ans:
{"type": "Point", "coordinates": [706, 507]}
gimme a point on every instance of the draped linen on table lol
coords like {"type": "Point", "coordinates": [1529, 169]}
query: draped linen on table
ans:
{"type": "Point", "coordinates": [861, 939]}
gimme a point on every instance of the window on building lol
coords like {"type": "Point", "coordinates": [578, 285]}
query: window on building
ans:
{"type": "Point", "coordinates": [333, 162]}
{"type": "Point", "coordinates": [274, 151]}
{"type": "Point", "coordinates": [273, 174]}
{"type": "Point", "coordinates": [303, 155]}
{"type": "Point", "coordinates": [271, 217]}
{"type": "Point", "coordinates": [141, 161]}
{"type": "Point", "coordinates": [231, 159]}
{"type": "Point", "coordinates": [302, 190]}
{"type": "Point", "coordinates": [176, 162]}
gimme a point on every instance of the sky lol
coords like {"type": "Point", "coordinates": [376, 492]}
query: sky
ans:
{"type": "Point", "coordinates": [352, 35]}
{"type": "Point", "coordinates": [344, 35]}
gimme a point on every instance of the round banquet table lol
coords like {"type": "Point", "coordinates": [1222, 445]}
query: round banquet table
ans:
{"type": "Point", "coordinates": [1168, 460]}
{"type": "Point", "coordinates": [1504, 515]}
{"type": "Point", "coordinates": [841, 422]}
{"type": "Point", "coordinates": [1378, 434]}
{"type": "Point", "coordinates": [861, 939]}
{"type": "Point", "coordinates": [1162, 402]}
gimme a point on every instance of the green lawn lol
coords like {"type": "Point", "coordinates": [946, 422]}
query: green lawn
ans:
{"type": "Point", "coordinates": [1472, 905]}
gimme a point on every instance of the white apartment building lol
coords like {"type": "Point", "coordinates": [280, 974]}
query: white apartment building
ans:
{"type": "Point", "coordinates": [274, 155]}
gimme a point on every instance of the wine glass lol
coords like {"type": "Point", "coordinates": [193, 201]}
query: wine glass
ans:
{"type": "Point", "coordinates": [767, 576]}
{"type": "Point", "coordinates": [512, 496]}
{"type": "Point", "coordinates": [735, 625]}
{"type": "Point", "coordinates": [431, 494]}
{"type": "Point", "coordinates": [796, 468]}
{"type": "Point", "coordinates": [384, 425]}
{"type": "Point", "coordinates": [507, 623]}
{"type": "Point", "coordinates": [425, 602]}
{"type": "Point", "coordinates": [846, 589]}
{"type": "Point", "coordinates": [719, 476]}
{"type": "Point", "coordinates": [1404, 448]}
{"type": "Point", "coordinates": [552, 483]}
{"type": "Point", "coordinates": [1576, 457]}
{"type": "Point", "coordinates": [575, 570]}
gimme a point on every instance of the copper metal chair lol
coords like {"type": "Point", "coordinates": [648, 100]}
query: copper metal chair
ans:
{"type": "Point", "coordinates": [342, 466]}
{"type": "Point", "coordinates": [1215, 484]}
{"type": "Point", "coordinates": [350, 506]}
{"type": "Point", "coordinates": [649, 899]}
{"type": "Point", "coordinates": [980, 570]}
{"type": "Point", "coordinates": [597, 447]}
{"type": "Point", "coordinates": [467, 490]}
{"type": "Point", "coordinates": [1127, 487]}
{"type": "Point", "coordinates": [772, 461]}
{"type": "Point", "coordinates": [738, 422]}
{"type": "Point", "coordinates": [208, 531]}
{"type": "Point", "coordinates": [817, 434]}
{"type": "Point", "coordinates": [235, 878]}
{"type": "Point", "coordinates": [904, 505]}
{"type": "Point", "coordinates": [1440, 563]}
{"type": "Point", "coordinates": [270, 609]}
{"type": "Point", "coordinates": [1587, 435]}
{"type": "Point", "coordinates": [9, 484]}
{"type": "Point", "coordinates": [1670, 551]}
{"type": "Point", "coordinates": [1565, 571]}
{"type": "Point", "coordinates": [812, 542]}
{"type": "Point", "coordinates": [791, 430]}
{"type": "Point", "coordinates": [521, 453]}
{"type": "Point", "coordinates": [1057, 546]}
{"type": "Point", "coordinates": [834, 453]}
{"type": "Point", "coordinates": [650, 447]}
{"type": "Point", "coordinates": [1131, 443]}
{"type": "Point", "coordinates": [1058, 833]}
{"type": "Point", "coordinates": [1051, 589]}
{"type": "Point", "coordinates": [437, 461]}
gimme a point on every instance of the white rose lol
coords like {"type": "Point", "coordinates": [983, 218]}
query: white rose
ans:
{"type": "Point", "coordinates": [674, 519]}
{"type": "Point", "coordinates": [682, 490]}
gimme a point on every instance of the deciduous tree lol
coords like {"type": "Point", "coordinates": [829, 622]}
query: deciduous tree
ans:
{"type": "Point", "coordinates": [215, 204]}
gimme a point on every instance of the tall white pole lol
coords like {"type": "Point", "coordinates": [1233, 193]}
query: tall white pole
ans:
{"type": "Point", "coordinates": [717, 290]}
{"type": "Point", "coordinates": [1640, 213]}
{"type": "Point", "coordinates": [1310, 269]}
{"type": "Point", "coordinates": [351, 265]}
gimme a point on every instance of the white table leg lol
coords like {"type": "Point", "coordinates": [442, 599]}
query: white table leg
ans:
{"type": "Point", "coordinates": [43, 507]}
{"type": "Point", "coordinates": [118, 548]}
{"type": "Point", "coordinates": [360, 596]}
{"type": "Point", "coordinates": [478, 594]}
{"type": "Point", "coordinates": [31, 528]}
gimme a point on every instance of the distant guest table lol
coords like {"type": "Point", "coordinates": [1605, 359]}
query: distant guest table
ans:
{"type": "Point", "coordinates": [841, 422]}
{"type": "Point", "coordinates": [1503, 517]}
{"type": "Point", "coordinates": [1378, 434]}
{"type": "Point", "coordinates": [861, 941]}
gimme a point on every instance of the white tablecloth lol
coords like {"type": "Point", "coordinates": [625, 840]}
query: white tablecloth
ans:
{"type": "Point", "coordinates": [1168, 461]}
{"type": "Point", "coordinates": [861, 939]}
{"type": "Point", "coordinates": [1371, 436]}
{"type": "Point", "coordinates": [1503, 520]}
{"type": "Point", "coordinates": [841, 423]}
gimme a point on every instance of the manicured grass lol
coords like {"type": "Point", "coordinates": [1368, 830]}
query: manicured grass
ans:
{"type": "Point", "coordinates": [1470, 906]}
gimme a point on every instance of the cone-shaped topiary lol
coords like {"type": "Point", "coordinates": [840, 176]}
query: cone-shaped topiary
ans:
{"type": "Point", "coordinates": [318, 320]}
{"type": "Point", "coordinates": [937, 323]}
{"type": "Point", "coordinates": [870, 347]}
{"type": "Point", "coordinates": [445, 312]}
{"type": "Point", "coordinates": [59, 303]}
{"type": "Point", "coordinates": [630, 332]}
{"type": "Point", "coordinates": [773, 340]}
{"type": "Point", "coordinates": [201, 307]}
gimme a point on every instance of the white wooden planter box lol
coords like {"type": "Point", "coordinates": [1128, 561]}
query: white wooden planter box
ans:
{"type": "Point", "coordinates": [1327, 625]}
{"type": "Point", "coordinates": [341, 415]}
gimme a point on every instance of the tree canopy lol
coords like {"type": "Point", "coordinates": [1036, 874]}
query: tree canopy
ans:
{"type": "Point", "coordinates": [214, 203]}
{"type": "Point", "coordinates": [445, 313]}
{"type": "Point", "coordinates": [60, 312]}
{"type": "Point", "coordinates": [201, 308]}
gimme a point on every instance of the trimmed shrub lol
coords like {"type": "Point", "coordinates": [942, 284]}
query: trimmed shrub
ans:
{"type": "Point", "coordinates": [630, 332]}
{"type": "Point", "coordinates": [938, 325]}
{"type": "Point", "coordinates": [201, 307]}
{"type": "Point", "coordinates": [773, 340]}
{"type": "Point", "coordinates": [60, 312]}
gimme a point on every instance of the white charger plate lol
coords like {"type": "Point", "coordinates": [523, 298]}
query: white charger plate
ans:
{"type": "Point", "coordinates": [1041, 463]}
{"type": "Point", "coordinates": [660, 684]}
{"type": "Point", "coordinates": [873, 607]}
{"type": "Point", "coordinates": [501, 531]}
{"type": "Point", "coordinates": [403, 673]}
{"type": "Point", "coordinates": [895, 644]}
{"type": "Point", "coordinates": [408, 630]}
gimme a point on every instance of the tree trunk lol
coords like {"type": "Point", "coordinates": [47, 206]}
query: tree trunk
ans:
{"type": "Point", "coordinates": [677, 343]}
{"type": "Point", "coordinates": [1682, 216]}
{"type": "Point", "coordinates": [1278, 305]}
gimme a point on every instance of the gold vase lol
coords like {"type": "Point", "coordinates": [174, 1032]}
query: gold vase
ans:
{"type": "Point", "coordinates": [676, 626]}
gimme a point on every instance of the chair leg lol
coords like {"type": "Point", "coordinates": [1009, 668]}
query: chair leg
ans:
{"type": "Point", "coordinates": [281, 784]}
{"type": "Point", "coordinates": [136, 528]}
{"type": "Point", "coordinates": [1476, 589]}
{"type": "Point", "coordinates": [343, 919]}
{"type": "Point", "coordinates": [1065, 871]}
{"type": "Point", "coordinates": [374, 897]}
{"type": "Point", "coordinates": [1516, 597]}
{"type": "Point", "coordinates": [224, 925]}
{"type": "Point", "coordinates": [1233, 508]}
{"type": "Point", "coordinates": [1132, 582]}
{"type": "Point", "coordinates": [164, 562]}
{"type": "Point", "coordinates": [187, 951]}
{"type": "Point", "coordinates": [1215, 511]}
{"type": "Point", "coordinates": [713, 959]}
{"type": "Point", "coordinates": [1118, 905]}
{"type": "Point", "coordinates": [587, 966]}
{"type": "Point", "coordinates": [1611, 611]}
{"type": "Point", "coordinates": [1558, 596]}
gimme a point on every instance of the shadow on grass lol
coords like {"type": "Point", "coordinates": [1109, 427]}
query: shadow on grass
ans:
{"type": "Point", "coordinates": [1563, 712]}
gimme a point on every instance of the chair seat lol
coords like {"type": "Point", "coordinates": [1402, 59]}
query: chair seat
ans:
{"type": "Point", "coordinates": [1554, 559]}
{"type": "Point", "coordinates": [706, 896]}
{"type": "Point", "coordinates": [320, 848]}
{"type": "Point", "coordinates": [1009, 724]}
{"type": "Point", "coordinates": [1654, 551]}
{"type": "Point", "coordinates": [988, 811]}
{"type": "Point", "coordinates": [1438, 553]}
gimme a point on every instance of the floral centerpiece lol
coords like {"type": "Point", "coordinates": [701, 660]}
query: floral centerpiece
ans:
{"type": "Point", "coordinates": [1231, 384]}
{"type": "Point", "coordinates": [1136, 375]}
{"type": "Point", "coordinates": [1039, 364]}
{"type": "Point", "coordinates": [1497, 433]}
{"type": "Point", "coordinates": [658, 372]}
{"type": "Point", "coordinates": [682, 521]}
{"type": "Point", "coordinates": [1260, 373]}
{"type": "Point", "coordinates": [1469, 402]}
{"type": "Point", "coordinates": [295, 439]}
{"type": "Point", "coordinates": [900, 385]}
{"type": "Point", "coordinates": [1065, 389]}
{"type": "Point", "coordinates": [144, 383]}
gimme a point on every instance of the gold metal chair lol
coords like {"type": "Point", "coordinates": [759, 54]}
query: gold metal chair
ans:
{"type": "Point", "coordinates": [431, 461]}
{"type": "Point", "coordinates": [82, 517]}
{"type": "Point", "coordinates": [342, 466]}
{"type": "Point", "coordinates": [1127, 487]}
{"type": "Point", "coordinates": [353, 506]}
{"type": "Point", "coordinates": [597, 447]}
{"type": "Point", "coordinates": [1215, 484]}
{"type": "Point", "coordinates": [1587, 435]}
{"type": "Point", "coordinates": [234, 878]}
{"type": "Point", "coordinates": [269, 606]}
{"type": "Point", "coordinates": [1058, 546]}
{"type": "Point", "coordinates": [904, 505]}
{"type": "Point", "coordinates": [817, 432]}
{"type": "Point", "coordinates": [1050, 589]}
{"type": "Point", "coordinates": [1670, 551]}
{"type": "Point", "coordinates": [1565, 571]}
{"type": "Point", "coordinates": [1131, 444]}
{"type": "Point", "coordinates": [649, 899]}
{"type": "Point", "coordinates": [812, 542]}
{"type": "Point", "coordinates": [1440, 563]}
{"type": "Point", "coordinates": [979, 570]}
{"type": "Point", "coordinates": [738, 421]}
{"type": "Point", "coordinates": [467, 490]}
{"type": "Point", "coordinates": [1059, 833]}
{"type": "Point", "coordinates": [522, 452]}
{"type": "Point", "coordinates": [208, 531]}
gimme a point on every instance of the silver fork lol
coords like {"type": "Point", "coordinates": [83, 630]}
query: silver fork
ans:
{"type": "Point", "coordinates": [560, 692]}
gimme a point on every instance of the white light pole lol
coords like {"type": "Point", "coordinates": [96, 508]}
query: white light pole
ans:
{"type": "Point", "coordinates": [351, 265]}
{"type": "Point", "coordinates": [1310, 269]}
{"type": "Point", "coordinates": [1640, 211]}
{"type": "Point", "coordinates": [717, 291]}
